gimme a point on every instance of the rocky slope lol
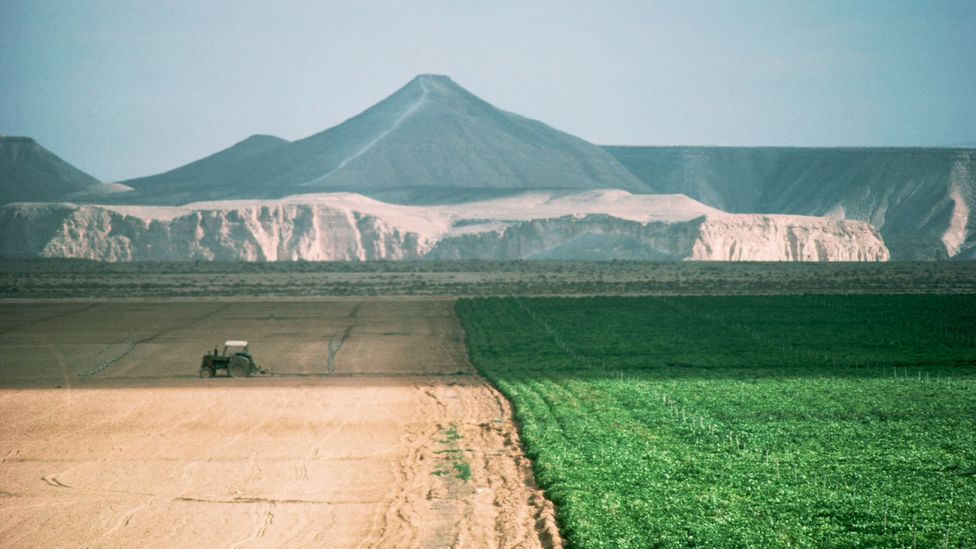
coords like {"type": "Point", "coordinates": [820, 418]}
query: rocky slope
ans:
{"type": "Point", "coordinates": [29, 172]}
{"type": "Point", "coordinates": [588, 225]}
{"type": "Point", "coordinates": [922, 200]}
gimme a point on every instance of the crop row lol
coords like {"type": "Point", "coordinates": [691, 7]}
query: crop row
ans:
{"type": "Point", "coordinates": [743, 421]}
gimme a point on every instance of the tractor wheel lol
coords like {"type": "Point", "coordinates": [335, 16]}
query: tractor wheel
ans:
{"type": "Point", "coordinates": [239, 367]}
{"type": "Point", "coordinates": [206, 372]}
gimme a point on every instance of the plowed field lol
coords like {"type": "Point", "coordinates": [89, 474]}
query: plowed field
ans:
{"type": "Point", "coordinates": [370, 430]}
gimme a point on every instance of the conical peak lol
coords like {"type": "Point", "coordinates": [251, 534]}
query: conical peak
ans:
{"type": "Point", "coordinates": [262, 138]}
{"type": "Point", "coordinates": [437, 84]}
{"type": "Point", "coordinates": [434, 78]}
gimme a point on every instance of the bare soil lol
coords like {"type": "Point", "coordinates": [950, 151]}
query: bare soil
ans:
{"type": "Point", "coordinates": [371, 430]}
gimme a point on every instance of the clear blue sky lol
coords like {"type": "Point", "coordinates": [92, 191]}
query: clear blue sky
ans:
{"type": "Point", "coordinates": [130, 88]}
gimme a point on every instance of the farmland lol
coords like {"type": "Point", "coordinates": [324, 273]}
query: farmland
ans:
{"type": "Point", "coordinates": [370, 429]}
{"type": "Point", "coordinates": [720, 418]}
{"type": "Point", "coordinates": [743, 420]}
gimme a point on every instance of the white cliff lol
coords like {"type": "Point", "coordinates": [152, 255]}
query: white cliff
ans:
{"type": "Point", "coordinates": [748, 237]}
{"type": "Point", "coordinates": [345, 226]}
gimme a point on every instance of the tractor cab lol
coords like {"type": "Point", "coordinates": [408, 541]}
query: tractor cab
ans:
{"type": "Point", "coordinates": [235, 360]}
{"type": "Point", "coordinates": [237, 346]}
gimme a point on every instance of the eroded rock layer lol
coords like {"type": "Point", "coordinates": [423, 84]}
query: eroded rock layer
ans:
{"type": "Point", "coordinates": [343, 226]}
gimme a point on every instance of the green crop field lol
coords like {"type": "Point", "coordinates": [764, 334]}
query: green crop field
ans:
{"type": "Point", "coordinates": [812, 421]}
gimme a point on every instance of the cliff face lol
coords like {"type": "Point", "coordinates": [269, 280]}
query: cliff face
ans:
{"type": "Point", "coordinates": [350, 227]}
{"type": "Point", "coordinates": [787, 238]}
{"type": "Point", "coordinates": [275, 233]}
{"type": "Point", "coordinates": [923, 200]}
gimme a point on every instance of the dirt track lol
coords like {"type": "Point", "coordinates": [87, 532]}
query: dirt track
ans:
{"type": "Point", "coordinates": [363, 437]}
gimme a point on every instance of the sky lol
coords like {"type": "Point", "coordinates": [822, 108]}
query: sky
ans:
{"type": "Point", "coordinates": [130, 88]}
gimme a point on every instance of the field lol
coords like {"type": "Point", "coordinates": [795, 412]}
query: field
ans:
{"type": "Point", "coordinates": [370, 431]}
{"type": "Point", "coordinates": [812, 421]}
{"type": "Point", "coordinates": [703, 404]}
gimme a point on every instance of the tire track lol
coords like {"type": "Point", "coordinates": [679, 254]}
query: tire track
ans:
{"type": "Point", "coordinates": [335, 344]}
{"type": "Point", "coordinates": [52, 480]}
{"type": "Point", "coordinates": [125, 519]}
{"type": "Point", "coordinates": [517, 497]}
{"type": "Point", "coordinates": [264, 520]}
{"type": "Point", "coordinates": [186, 475]}
{"type": "Point", "coordinates": [395, 526]}
{"type": "Point", "coordinates": [242, 500]}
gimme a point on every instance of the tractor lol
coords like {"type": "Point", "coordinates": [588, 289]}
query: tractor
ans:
{"type": "Point", "coordinates": [236, 360]}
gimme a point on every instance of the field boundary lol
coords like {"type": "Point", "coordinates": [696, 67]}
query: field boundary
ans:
{"type": "Point", "coordinates": [548, 526]}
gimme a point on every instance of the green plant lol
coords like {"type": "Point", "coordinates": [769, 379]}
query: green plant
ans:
{"type": "Point", "coordinates": [743, 420]}
{"type": "Point", "coordinates": [453, 455]}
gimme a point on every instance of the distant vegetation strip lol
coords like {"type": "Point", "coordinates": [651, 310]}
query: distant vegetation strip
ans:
{"type": "Point", "coordinates": [59, 279]}
{"type": "Point", "coordinates": [743, 421]}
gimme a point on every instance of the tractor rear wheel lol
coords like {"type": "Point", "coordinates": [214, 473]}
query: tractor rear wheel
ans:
{"type": "Point", "coordinates": [239, 367]}
{"type": "Point", "coordinates": [206, 372]}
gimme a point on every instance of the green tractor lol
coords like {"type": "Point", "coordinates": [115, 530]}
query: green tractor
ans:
{"type": "Point", "coordinates": [235, 360]}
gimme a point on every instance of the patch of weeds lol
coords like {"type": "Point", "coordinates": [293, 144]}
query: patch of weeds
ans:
{"type": "Point", "coordinates": [463, 470]}
{"type": "Point", "coordinates": [453, 456]}
{"type": "Point", "coordinates": [451, 435]}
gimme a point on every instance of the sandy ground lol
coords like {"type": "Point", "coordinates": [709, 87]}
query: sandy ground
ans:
{"type": "Point", "coordinates": [371, 431]}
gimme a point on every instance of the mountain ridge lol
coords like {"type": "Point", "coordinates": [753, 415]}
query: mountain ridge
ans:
{"type": "Point", "coordinates": [917, 197]}
{"type": "Point", "coordinates": [207, 177]}
{"type": "Point", "coordinates": [428, 140]}
{"type": "Point", "coordinates": [434, 143]}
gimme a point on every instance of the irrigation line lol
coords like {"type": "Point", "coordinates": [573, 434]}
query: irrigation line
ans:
{"type": "Point", "coordinates": [147, 339]}
{"type": "Point", "coordinates": [336, 341]}
{"type": "Point", "coordinates": [110, 361]}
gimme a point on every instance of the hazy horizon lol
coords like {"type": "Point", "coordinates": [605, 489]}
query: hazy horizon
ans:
{"type": "Point", "coordinates": [127, 90]}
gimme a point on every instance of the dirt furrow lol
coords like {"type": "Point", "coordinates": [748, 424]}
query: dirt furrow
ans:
{"type": "Point", "coordinates": [402, 446]}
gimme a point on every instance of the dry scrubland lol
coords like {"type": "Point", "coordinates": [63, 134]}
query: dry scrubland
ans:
{"type": "Point", "coordinates": [109, 438]}
{"type": "Point", "coordinates": [70, 279]}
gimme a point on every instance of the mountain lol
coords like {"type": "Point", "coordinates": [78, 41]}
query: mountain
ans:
{"type": "Point", "coordinates": [207, 178]}
{"type": "Point", "coordinates": [922, 200]}
{"type": "Point", "coordinates": [345, 226]}
{"type": "Point", "coordinates": [487, 183]}
{"type": "Point", "coordinates": [431, 141]}
{"type": "Point", "coordinates": [31, 173]}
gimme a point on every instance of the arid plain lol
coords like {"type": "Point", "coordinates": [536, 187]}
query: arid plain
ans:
{"type": "Point", "coordinates": [371, 429]}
